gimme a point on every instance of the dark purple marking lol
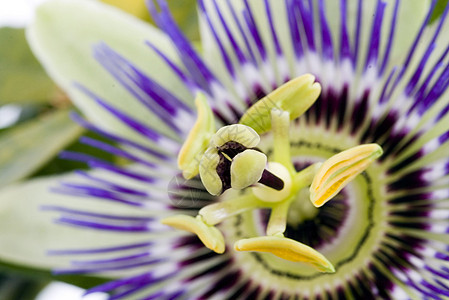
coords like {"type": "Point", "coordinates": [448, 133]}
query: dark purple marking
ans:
{"type": "Point", "coordinates": [113, 186]}
{"type": "Point", "coordinates": [407, 181]}
{"type": "Point", "coordinates": [293, 17]}
{"type": "Point", "coordinates": [373, 48]}
{"type": "Point", "coordinates": [86, 191]}
{"type": "Point", "coordinates": [342, 107]}
{"type": "Point", "coordinates": [209, 271]}
{"type": "Point", "coordinates": [78, 119]}
{"type": "Point", "coordinates": [435, 92]}
{"type": "Point", "coordinates": [420, 94]}
{"type": "Point", "coordinates": [112, 267]}
{"type": "Point", "coordinates": [198, 70]}
{"type": "Point", "coordinates": [358, 30]}
{"type": "Point", "coordinates": [406, 63]}
{"type": "Point", "coordinates": [413, 212]}
{"type": "Point", "coordinates": [405, 162]}
{"type": "Point", "coordinates": [138, 284]}
{"type": "Point", "coordinates": [116, 151]}
{"type": "Point", "coordinates": [307, 23]}
{"type": "Point", "coordinates": [443, 138]}
{"type": "Point", "coordinates": [241, 290]}
{"type": "Point", "coordinates": [384, 96]}
{"type": "Point", "coordinates": [196, 259]}
{"type": "Point", "coordinates": [274, 36]}
{"type": "Point", "coordinates": [413, 82]}
{"type": "Point", "coordinates": [255, 293]}
{"type": "Point", "coordinates": [120, 259]}
{"type": "Point", "coordinates": [409, 225]}
{"type": "Point", "coordinates": [430, 48]}
{"type": "Point", "coordinates": [104, 226]}
{"type": "Point", "coordinates": [81, 157]}
{"type": "Point", "coordinates": [434, 288]}
{"type": "Point", "coordinates": [240, 56]}
{"type": "Point", "coordinates": [442, 256]}
{"type": "Point", "coordinates": [394, 147]}
{"type": "Point", "coordinates": [254, 33]}
{"type": "Point", "coordinates": [145, 90]}
{"type": "Point", "coordinates": [81, 213]}
{"type": "Point", "coordinates": [412, 199]}
{"type": "Point", "coordinates": [184, 78]}
{"type": "Point", "coordinates": [226, 59]}
{"type": "Point", "coordinates": [386, 56]}
{"type": "Point", "coordinates": [123, 172]}
{"type": "Point", "coordinates": [327, 47]}
{"type": "Point", "coordinates": [124, 118]}
{"type": "Point", "coordinates": [191, 241]}
{"type": "Point", "coordinates": [332, 106]}
{"type": "Point", "coordinates": [242, 32]}
{"type": "Point", "coordinates": [161, 295]}
{"type": "Point", "coordinates": [162, 97]}
{"type": "Point", "coordinates": [112, 285]}
{"type": "Point", "coordinates": [222, 284]}
{"type": "Point", "coordinates": [345, 46]}
{"type": "Point", "coordinates": [101, 250]}
{"type": "Point", "coordinates": [441, 283]}
{"type": "Point", "coordinates": [382, 282]}
{"type": "Point", "coordinates": [382, 127]}
{"type": "Point", "coordinates": [360, 111]}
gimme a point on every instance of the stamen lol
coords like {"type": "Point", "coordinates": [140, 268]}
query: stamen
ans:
{"type": "Point", "coordinates": [339, 170]}
{"type": "Point", "coordinates": [215, 213]}
{"type": "Point", "coordinates": [287, 249]}
{"type": "Point", "coordinates": [241, 134]}
{"type": "Point", "coordinates": [211, 237]}
{"type": "Point", "coordinates": [294, 96]}
{"type": "Point", "coordinates": [247, 168]}
{"type": "Point", "coordinates": [208, 172]}
{"type": "Point", "coordinates": [198, 139]}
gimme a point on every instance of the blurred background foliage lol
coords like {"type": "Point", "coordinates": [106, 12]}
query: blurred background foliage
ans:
{"type": "Point", "coordinates": [35, 126]}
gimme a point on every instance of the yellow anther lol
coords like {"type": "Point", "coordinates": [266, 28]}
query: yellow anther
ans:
{"type": "Point", "coordinates": [208, 172]}
{"type": "Point", "coordinates": [238, 133]}
{"type": "Point", "coordinates": [287, 249]}
{"type": "Point", "coordinates": [295, 96]}
{"type": "Point", "coordinates": [247, 168]}
{"type": "Point", "coordinates": [336, 172]}
{"type": "Point", "coordinates": [198, 139]}
{"type": "Point", "coordinates": [211, 237]}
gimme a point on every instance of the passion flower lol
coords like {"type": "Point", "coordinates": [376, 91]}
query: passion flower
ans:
{"type": "Point", "coordinates": [377, 77]}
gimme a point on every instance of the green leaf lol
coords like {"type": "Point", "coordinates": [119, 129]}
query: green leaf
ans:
{"type": "Point", "coordinates": [28, 232]}
{"type": "Point", "coordinates": [22, 77]}
{"type": "Point", "coordinates": [438, 11]}
{"type": "Point", "coordinates": [16, 287]}
{"type": "Point", "coordinates": [62, 37]}
{"type": "Point", "coordinates": [27, 147]}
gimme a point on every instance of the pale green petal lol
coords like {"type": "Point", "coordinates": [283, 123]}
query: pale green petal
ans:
{"type": "Point", "coordinates": [29, 146]}
{"type": "Point", "coordinates": [62, 37]}
{"type": "Point", "coordinates": [27, 233]}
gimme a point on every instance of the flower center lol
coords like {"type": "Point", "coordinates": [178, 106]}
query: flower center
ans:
{"type": "Point", "coordinates": [229, 160]}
